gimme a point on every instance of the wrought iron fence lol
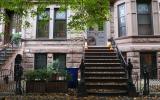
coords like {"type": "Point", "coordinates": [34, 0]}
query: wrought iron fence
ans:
{"type": "Point", "coordinates": [7, 83]}
{"type": "Point", "coordinates": [154, 85]}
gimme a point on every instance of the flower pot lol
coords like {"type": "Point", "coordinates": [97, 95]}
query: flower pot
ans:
{"type": "Point", "coordinates": [54, 77]}
{"type": "Point", "coordinates": [57, 86]}
{"type": "Point", "coordinates": [35, 87]}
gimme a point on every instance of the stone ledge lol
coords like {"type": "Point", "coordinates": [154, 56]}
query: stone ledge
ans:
{"type": "Point", "coordinates": [138, 39]}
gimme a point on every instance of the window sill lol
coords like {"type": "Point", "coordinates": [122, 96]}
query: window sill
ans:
{"type": "Point", "coordinates": [45, 39]}
{"type": "Point", "coordinates": [139, 36]}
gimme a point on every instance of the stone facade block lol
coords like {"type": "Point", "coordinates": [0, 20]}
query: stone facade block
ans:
{"type": "Point", "coordinates": [135, 60]}
{"type": "Point", "coordinates": [73, 60]}
{"type": "Point", "coordinates": [49, 58]}
{"type": "Point", "coordinates": [132, 54]}
{"type": "Point", "coordinates": [28, 55]}
{"type": "Point", "coordinates": [73, 65]}
{"type": "Point", "coordinates": [29, 65]}
{"type": "Point", "coordinates": [28, 60]}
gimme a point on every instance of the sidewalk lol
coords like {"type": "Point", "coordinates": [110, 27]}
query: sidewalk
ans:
{"type": "Point", "coordinates": [67, 97]}
{"type": "Point", "coordinates": [72, 95]}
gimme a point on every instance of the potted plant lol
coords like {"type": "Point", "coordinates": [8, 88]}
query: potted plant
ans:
{"type": "Point", "coordinates": [36, 80]}
{"type": "Point", "coordinates": [16, 38]}
{"type": "Point", "coordinates": [53, 69]}
{"type": "Point", "coordinates": [58, 81]}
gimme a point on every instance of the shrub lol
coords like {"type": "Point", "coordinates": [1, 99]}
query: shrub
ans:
{"type": "Point", "coordinates": [38, 74]}
{"type": "Point", "coordinates": [16, 37]}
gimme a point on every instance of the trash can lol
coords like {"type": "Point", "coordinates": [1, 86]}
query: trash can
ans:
{"type": "Point", "coordinates": [74, 77]}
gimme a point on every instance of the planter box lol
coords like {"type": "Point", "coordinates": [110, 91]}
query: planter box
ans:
{"type": "Point", "coordinates": [56, 86]}
{"type": "Point", "coordinates": [35, 87]}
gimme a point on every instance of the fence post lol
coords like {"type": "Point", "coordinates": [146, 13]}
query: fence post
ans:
{"type": "Point", "coordinates": [146, 80]}
{"type": "Point", "coordinates": [81, 85]}
{"type": "Point", "coordinates": [6, 79]}
{"type": "Point", "coordinates": [131, 87]}
{"type": "Point", "coordinates": [19, 73]}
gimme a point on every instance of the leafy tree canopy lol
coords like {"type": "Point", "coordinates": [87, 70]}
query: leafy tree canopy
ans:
{"type": "Point", "coordinates": [86, 12]}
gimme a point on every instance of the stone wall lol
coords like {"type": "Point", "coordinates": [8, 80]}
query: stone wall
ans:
{"type": "Point", "coordinates": [135, 60]}
{"type": "Point", "coordinates": [73, 50]}
{"type": "Point", "coordinates": [139, 43]}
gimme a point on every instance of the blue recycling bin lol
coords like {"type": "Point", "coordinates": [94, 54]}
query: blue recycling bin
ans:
{"type": "Point", "coordinates": [74, 77]}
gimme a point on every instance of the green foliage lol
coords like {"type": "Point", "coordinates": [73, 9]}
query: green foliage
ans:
{"type": "Point", "coordinates": [16, 37]}
{"type": "Point", "coordinates": [86, 12]}
{"type": "Point", "coordinates": [1, 33]}
{"type": "Point", "coordinates": [89, 13]}
{"type": "Point", "coordinates": [38, 74]}
{"type": "Point", "coordinates": [55, 68]}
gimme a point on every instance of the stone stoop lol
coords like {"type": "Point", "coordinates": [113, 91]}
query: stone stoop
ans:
{"type": "Point", "coordinates": [104, 74]}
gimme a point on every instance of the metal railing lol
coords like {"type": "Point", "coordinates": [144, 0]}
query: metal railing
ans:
{"type": "Point", "coordinates": [127, 68]}
{"type": "Point", "coordinates": [6, 49]}
{"type": "Point", "coordinates": [119, 53]}
{"type": "Point", "coordinates": [81, 84]}
{"type": "Point", "coordinates": [154, 85]}
{"type": "Point", "coordinates": [7, 83]}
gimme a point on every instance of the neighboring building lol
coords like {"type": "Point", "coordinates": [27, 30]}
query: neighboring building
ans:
{"type": "Point", "coordinates": [44, 43]}
{"type": "Point", "coordinates": [136, 27]}
{"type": "Point", "coordinates": [134, 24]}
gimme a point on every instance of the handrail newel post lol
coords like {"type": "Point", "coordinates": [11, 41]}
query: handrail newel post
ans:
{"type": "Point", "coordinates": [81, 91]}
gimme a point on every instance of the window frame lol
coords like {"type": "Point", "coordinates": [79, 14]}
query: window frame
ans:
{"type": "Point", "coordinates": [35, 64]}
{"type": "Point", "coordinates": [54, 26]}
{"type": "Point", "coordinates": [37, 26]}
{"type": "Point", "coordinates": [119, 24]}
{"type": "Point", "coordinates": [149, 14]}
{"type": "Point", "coordinates": [60, 54]}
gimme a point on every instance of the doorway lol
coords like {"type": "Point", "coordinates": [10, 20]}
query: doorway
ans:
{"type": "Point", "coordinates": [148, 59]}
{"type": "Point", "coordinates": [18, 61]}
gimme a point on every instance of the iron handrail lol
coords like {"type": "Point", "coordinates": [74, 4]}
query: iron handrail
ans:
{"type": "Point", "coordinates": [2, 71]}
{"type": "Point", "coordinates": [82, 66]}
{"type": "Point", "coordinates": [119, 53]}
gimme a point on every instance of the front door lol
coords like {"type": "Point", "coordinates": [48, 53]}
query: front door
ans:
{"type": "Point", "coordinates": [96, 38]}
{"type": "Point", "coordinates": [148, 59]}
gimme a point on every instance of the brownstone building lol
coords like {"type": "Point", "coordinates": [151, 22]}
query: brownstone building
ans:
{"type": "Point", "coordinates": [134, 25]}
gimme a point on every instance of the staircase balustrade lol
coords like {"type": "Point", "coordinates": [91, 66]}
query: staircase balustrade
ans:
{"type": "Point", "coordinates": [119, 53]}
{"type": "Point", "coordinates": [6, 50]}
{"type": "Point", "coordinates": [81, 83]}
{"type": "Point", "coordinates": [127, 67]}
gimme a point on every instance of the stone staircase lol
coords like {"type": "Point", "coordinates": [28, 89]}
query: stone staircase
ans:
{"type": "Point", "coordinates": [5, 54]}
{"type": "Point", "coordinates": [103, 73]}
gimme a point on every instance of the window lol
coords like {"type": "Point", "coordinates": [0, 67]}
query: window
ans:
{"type": "Point", "coordinates": [40, 60]}
{"type": "Point", "coordinates": [59, 24]}
{"type": "Point", "coordinates": [144, 18]}
{"type": "Point", "coordinates": [16, 23]}
{"type": "Point", "coordinates": [100, 27]}
{"type": "Point", "coordinates": [61, 57]}
{"type": "Point", "coordinates": [148, 60]}
{"type": "Point", "coordinates": [43, 24]}
{"type": "Point", "coordinates": [121, 20]}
